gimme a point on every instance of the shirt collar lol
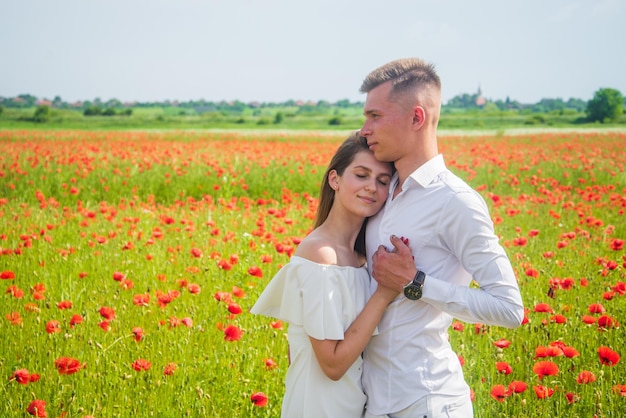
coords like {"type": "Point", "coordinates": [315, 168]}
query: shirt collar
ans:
{"type": "Point", "coordinates": [427, 172]}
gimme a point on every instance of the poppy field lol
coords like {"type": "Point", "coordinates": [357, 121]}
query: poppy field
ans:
{"type": "Point", "coordinates": [129, 262]}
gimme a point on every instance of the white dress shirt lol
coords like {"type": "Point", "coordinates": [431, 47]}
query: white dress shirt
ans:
{"type": "Point", "coordinates": [452, 239]}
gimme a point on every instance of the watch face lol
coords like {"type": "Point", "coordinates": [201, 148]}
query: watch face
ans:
{"type": "Point", "coordinates": [413, 292]}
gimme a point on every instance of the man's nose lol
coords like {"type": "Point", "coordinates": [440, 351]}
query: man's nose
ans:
{"type": "Point", "coordinates": [365, 130]}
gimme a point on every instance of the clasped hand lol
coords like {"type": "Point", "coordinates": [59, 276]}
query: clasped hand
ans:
{"type": "Point", "coordinates": [396, 268]}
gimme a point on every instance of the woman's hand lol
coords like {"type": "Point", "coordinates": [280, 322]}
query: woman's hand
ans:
{"type": "Point", "coordinates": [393, 269]}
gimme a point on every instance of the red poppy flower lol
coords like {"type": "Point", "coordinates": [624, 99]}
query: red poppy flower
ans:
{"type": "Point", "coordinates": [517, 386]}
{"type": "Point", "coordinates": [127, 284]}
{"type": "Point", "coordinates": [64, 304]}
{"type": "Point", "coordinates": [502, 343]}
{"type": "Point", "coordinates": [543, 307]}
{"type": "Point", "coordinates": [607, 356]}
{"type": "Point", "coordinates": [571, 397]}
{"type": "Point", "coordinates": [118, 277]}
{"type": "Point", "coordinates": [169, 369]}
{"type": "Point", "coordinates": [7, 275]}
{"type": "Point", "coordinates": [567, 283]}
{"type": "Point", "coordinates": [53, 326]}
{"type": "Point", "coordinates": [163, 299]}
{"type": "Point", "coordinates": [531, 272]}
{"type": "Point", "coordinates": [21, 376]}
{"type": "Point", "coordinates": [543, 392]}
{"type": "Point", "coordinates": [607, 322]}
{"type": "Point", "coordinates": [479, 328]}
{"type": "Point", "coordinates": [457, 326]}
{"type": "Point", "coordinates": [223, 297]}
{"type": "Point", "coordinates": [585, 377]}
{"type": "Point", "coordinates": [608, 295]}
{"type": "Point", "coordinates": [551, 351]}
{"type": "Point", "coordinates": [195, 252]}
{"type": "Point", "coordinates": [141, 299]}
{"type": "Point", "coordinates": [596, 308]}
{"type": "Point", "coordinates": [270, 364]}
{"type": "Point", "coordinates": [545, 368]}
{"type": "Point", "coordinates": [238, 292]}
{"type": "Point", "coordinates": [255, 271]}
{"type": "Point", "coordinates": [75, 319]}
{"type": "Point", "coordinates": [14, 317]}
{"type": "Point", "coordinates": [588, 319]}
{"type": "Point", "coordinates": [500, 393]}
{"type": "Point", "coordinates": [621, 389]}
{"type": "Point", "coordinates": [15, 291]}
{"type": "Point", "coordinates": [570, 352]}
{"type": "Point", "coordinates": [503, 367]}
{"type": "Point", "coordinates": [259, 399]}
{"type": "Point", "coordinates": [617, 244]}
{"type": "Point", "coordinates": [141, 365]}
{"type": "Point", "coordinates": [224, 265]}
{"type": "Point", "coordinates": [107, 313]}
{"type": "Point", "coordinates": [559, 319]}
{"type": "Point", "coordinates": [234, 308]}
{"type": "Point", "coordinates": [520, 241]}
{"type": "Point", "coordinates": [276, 324]}
{"type": "Point", "coordinates": [68, 365]}
{"type": "Point", "coordinates": [232, 333]}
{"type": "Point", "coordinates": [37, 408]}
{"type": "Point", "coordinates": [138, 333]}
{"type": "Point", "coordinates": [193, 288]}
{"type": "Point", "coordinates": [39, 288]}
{"type": "Point", "coordinates": [168, 220]}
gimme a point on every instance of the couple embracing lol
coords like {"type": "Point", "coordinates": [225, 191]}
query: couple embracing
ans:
{"type": "Point", "coordinates": [370, 293]}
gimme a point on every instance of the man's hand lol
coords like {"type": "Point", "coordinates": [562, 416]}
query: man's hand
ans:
{"type": "Point", "coordinates": [393, 269]}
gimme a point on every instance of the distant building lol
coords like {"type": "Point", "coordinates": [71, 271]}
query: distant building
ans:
{"type": "Point", "coordinates": [43, 102]}
{"type": "Point", "coordinates": [480, 99]}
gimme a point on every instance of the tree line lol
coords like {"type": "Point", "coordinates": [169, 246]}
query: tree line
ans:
{"type": "Point", "coordinates": [607, 104]}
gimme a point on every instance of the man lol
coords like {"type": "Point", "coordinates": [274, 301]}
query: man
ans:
{"type": "Point", "coordinates": [410, 369]}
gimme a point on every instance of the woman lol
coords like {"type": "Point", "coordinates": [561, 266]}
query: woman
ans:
{"type": "Point", "coordinates": [323, 292]}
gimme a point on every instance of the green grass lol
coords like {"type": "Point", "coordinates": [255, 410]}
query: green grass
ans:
{"type": "Point", "coordinates": [138, 203]}
{"type": "Point", "coordinates": [171, 117]}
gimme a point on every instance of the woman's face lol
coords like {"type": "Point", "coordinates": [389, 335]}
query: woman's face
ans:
{"type": "Point", "coordinates": [364, 185]}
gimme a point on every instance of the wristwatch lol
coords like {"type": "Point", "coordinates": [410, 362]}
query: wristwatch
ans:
{"type": "Point", "coordinates": [413, 290]}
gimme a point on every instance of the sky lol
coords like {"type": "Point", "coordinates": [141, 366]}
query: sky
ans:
{"type": "Point", "coordinates": [278, 50]}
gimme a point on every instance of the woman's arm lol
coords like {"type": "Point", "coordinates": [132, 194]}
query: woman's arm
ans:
{"type": "Point", "coordinates": [336, 356]}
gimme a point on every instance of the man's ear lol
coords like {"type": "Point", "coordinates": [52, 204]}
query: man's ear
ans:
{"type": "Point", "coordinates": [419, 117]}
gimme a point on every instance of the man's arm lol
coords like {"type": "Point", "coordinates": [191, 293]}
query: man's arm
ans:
{"type": "Point", "coordinates": [467, 231]}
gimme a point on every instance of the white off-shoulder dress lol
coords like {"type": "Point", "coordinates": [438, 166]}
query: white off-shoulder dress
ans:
{"type": "Point", "coordinates": [320, 301]}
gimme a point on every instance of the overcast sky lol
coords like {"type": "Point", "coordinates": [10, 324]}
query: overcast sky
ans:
{"type": "Point", "coordinates": [276, 50]}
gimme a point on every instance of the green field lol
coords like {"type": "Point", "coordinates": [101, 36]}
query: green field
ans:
{"type": "Point", "coordinates": [138, 254]}
{"type": "Point", "coordinates": [289, 118]}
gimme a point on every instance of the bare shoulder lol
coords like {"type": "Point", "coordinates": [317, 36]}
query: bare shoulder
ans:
{"type": "Point", "coordinates": [317, 249]}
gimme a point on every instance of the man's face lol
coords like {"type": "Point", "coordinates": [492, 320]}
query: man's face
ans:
{"type": "Point", "coordinates": [387, 124]}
